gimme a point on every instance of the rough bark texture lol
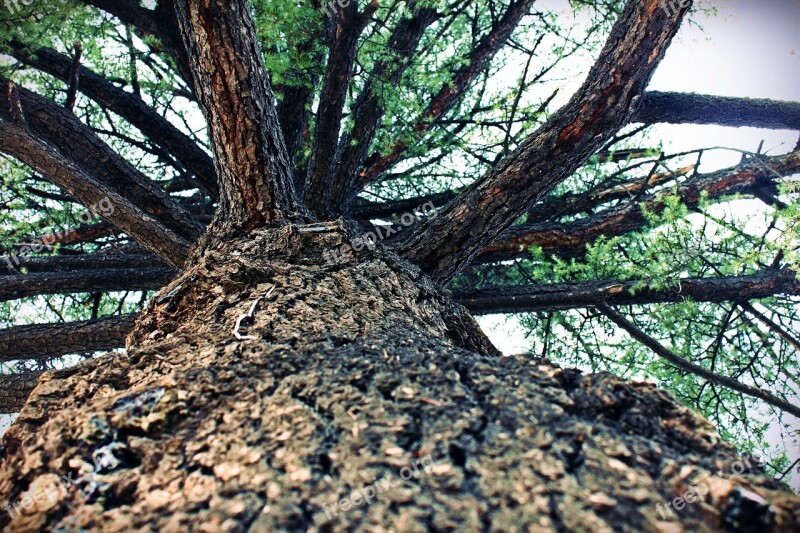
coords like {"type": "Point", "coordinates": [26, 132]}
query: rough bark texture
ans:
{"type": "Point", "coordinates": [347, 373]}
{"type": "Point", "coordinates": [14, 390]}
{"type": "Point", "coordinates": [122, 279]}
{"type": "Point", "coordinates": [48, 340]}
{"type": "Point", "coordinates": [230, 81]}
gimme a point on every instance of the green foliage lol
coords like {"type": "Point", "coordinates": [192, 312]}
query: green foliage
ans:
{"type": "Point", "coordinates": [500, 110]}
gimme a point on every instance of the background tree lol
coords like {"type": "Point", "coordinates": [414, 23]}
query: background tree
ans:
{"type": "Point", "coordinates": [234, 155]}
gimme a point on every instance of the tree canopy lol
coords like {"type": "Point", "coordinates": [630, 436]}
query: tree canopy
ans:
{"type": "Point", "coordinates": [624, 258]}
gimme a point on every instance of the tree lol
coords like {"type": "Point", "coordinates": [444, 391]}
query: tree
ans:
{"type": "Point", "coordinates": [307, 362]}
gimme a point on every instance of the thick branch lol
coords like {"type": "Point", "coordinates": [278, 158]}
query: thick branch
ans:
{"type": "Point", "coordinates": [479, 59]}
{"type": "Point", "coordinates": [121, 279]}
{"type": "Point", "coordinates": [15, 389]}
{"type": "Point", "coordinates": [570, 238]}
{"type": "Point", "coordinates": [445, 244]}
{"type": "Point", "coordinates": [230, 81]}
{"type": "Point", "coordinates": [11, 266]}
{"type": "Point", "coordinates": [562, 296]}
{"type": "Point", "coordinates": [77, 142]}
{"type": "Point", "coordinates": [18, 142]}
{"type": "Point", "coordinates": [344, 30]}
{"type": "Point", "coordinates": [157, 128]}
{"type": "Point", "coordinates": [693, 368]}
{"type": "Point", "coordinates": [41, 341]}
{"type": "Point", "coordinates": [683, 108]}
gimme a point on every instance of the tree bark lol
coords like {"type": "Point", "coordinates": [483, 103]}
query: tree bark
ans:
{"type": "Point", "coordinates": [230, 81]}
{"type": "Point", "coordinates": [576, 295]}
{"type": "Point", "coordinates": [15, 389]}
{"type": "Point", "coordinates": [263, 388]}
{"type": "Point", "coordinates": [344, 30]}
{"type": "Point", "coordinates": [122, 279]}
{"type": "Point", "coordinates": [49, 340]}
{"type": "Point", "coordinates": [683, 108]}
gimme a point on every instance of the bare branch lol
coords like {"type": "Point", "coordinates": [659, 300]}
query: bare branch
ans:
{"type": "Point", "coordinates": [157, 128]}
{"type": "Point", "coordinates": [19, 143]}
{"type": "Point", "coordinates": [683, 108]}
{"type": "Point", "coordinates": [121, 279]}
{"type": "Point", "coordinates": [479, 59]}
{"type": "Point", "coordinates": [41, 341]}
{"type": "Point", "coordinates": [344, 29]}
{"type": "Point", "coordinates": [576, 295]}
{"type": "Point", "coordinates": [74, 78]}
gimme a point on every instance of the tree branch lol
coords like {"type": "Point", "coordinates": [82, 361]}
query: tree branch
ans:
{"type": "Point", "coordinates": [151, 233]}
{"type": "Point", "coordinates": [688, 366]}
{"type": "Point", "coordinates": [53, 340]}
{"type": "Point", "coordinates": [684, 108]}
{"type": "Point", "coordinates": [15, 389]}
{"type": "Point", "coordinates": [230, 81]}
{"type": "Point", "coordinates": [570, 238]}
{"type": "Point", "coordinates": [368, 109]}
{"type": "Point", "coordinates": [62, 129]}
{"type": "Point", "coordinates": [11, 266]}
{"type": "Point", "coordinates": [576, 295]}
{"type": "Point", "coordinates": [445, 244]}
{"type": "Point", "coordinates": [121, 279]}
{"type": "Point", "coordinates": [157, 128]}
{"type": "Point", "coordinates": [160, 24]}
{"type": "Point", "coordinates": [479, 59]}
{"type": "Point", "coordinates": [344, 29]}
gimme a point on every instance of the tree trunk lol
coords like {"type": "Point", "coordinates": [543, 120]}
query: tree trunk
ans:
{"type": "Point", "coordinates": [264, 386]}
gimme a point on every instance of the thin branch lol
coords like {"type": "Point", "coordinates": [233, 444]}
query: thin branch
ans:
{"type": "Point", "coordinates": [688, 366]}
